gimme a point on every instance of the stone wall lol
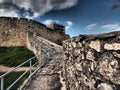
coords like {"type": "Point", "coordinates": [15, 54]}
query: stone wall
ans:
{"type": "Point", "coordinates": [13, 31]}
{"type": "Point", "coordinates": [92, 62]}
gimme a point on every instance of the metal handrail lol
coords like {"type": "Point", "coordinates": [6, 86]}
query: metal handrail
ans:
{"type": "Point", "coordinates": [29, 70]}
{"type": "Point", "coordinates": [17, 79]}
{"type": "Point", "coordinates": [16, 67]}
{"type": "Point", "coordinates": [45, 49]}
{"type": "Point", "coordinates": [20, 88]}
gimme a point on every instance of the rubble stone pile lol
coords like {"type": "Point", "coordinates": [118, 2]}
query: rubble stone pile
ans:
{"type": "Point", "coordinates": [92, 62]}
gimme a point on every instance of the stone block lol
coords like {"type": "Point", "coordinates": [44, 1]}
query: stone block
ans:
{"type": "Point", "coordinates": [113, 46]}
{"type": "Point", "coordinates": [95, 45]}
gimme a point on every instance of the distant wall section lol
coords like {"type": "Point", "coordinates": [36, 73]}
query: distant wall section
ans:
{"type": "Point", "coordinates": [14, 31]}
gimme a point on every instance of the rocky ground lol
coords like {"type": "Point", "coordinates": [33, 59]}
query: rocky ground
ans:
{"type": "Point", "coordinates": [49, 77]}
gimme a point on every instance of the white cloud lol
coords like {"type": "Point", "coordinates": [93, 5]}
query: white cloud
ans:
{"type": "Point", "coordinates": [37, 7]}
{"type": "Point", "coordinates": [117, 29]}
{"type": "Point", "coordinates": [69, 25]}
{"type": "Point", "coordinates": [113, 27]}
{"type": "Point", "coordinates": [110, 26]}
{"type": "Point", "coordinates": [1, 1]}
{"type": "Point", "coordinates": [49, 21]}
{"type": "Point", "coordinates": [7, 13]}
{"type": "Point", "coordinates": [22, 4]}
{"type": "Point", "coordinates": [91, 26]}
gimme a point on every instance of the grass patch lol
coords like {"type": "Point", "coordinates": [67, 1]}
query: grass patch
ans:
{"type": "Point", "coordinates": [10, 78]}
{"type": "Point", "coordinates": [13, 56]}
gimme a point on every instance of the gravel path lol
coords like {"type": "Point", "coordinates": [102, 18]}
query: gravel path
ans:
{"type": "Point", "coordinates": [6, 68]}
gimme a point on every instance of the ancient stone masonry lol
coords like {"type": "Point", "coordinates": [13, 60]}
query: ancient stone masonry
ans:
{"type": "Point", "coordinates": [43, 42]}
{"type": "Point", "coordinates": [14, 31]}
{"type": "Point", "coordinates": [92, 62]}
{"type": "Point", "coordinates": [24, 32]}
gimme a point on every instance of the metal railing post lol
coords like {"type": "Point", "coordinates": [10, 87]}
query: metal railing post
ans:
{"type": "Point", "coordinates": [27, 71]}
{"type": "Point", "coordinates": [2, 83]}
{"type": "Point", "coordinates": [30, 66]}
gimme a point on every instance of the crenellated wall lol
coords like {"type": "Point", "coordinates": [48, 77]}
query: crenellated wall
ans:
{"type": "Point", "coordinates": [13, 31]}
{"type": "Point", "coordinates": [24, 32]}
{"type": "Point", "coordinates": [92, 62]}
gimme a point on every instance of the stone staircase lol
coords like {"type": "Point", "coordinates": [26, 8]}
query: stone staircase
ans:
{"type": "Point", "coordinates": [48, 77]}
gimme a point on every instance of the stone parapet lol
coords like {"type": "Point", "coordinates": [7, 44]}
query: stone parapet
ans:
{"type": "Point", "coordinates": [92, 62]}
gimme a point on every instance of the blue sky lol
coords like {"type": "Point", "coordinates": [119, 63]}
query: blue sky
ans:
{"type": "Point", "coordinates": [88, 17]}
{"type": "Point", "coordinates": [79, 16]}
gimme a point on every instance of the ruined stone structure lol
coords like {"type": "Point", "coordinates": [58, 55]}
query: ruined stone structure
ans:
{"type": "Point", "coordinates": [22, 32]}
{"type": "Point", "coordinates": [42, 41]}
{"type": "Point", "coordinates": [13, 32]}
{"type": "Point", "coordinates": [92, 62]}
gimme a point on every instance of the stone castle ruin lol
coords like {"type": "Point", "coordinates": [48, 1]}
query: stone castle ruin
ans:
{"type": "Point", "coordinates": [85, 62]}
{"type": "Point", "coordinates": [14, 32]}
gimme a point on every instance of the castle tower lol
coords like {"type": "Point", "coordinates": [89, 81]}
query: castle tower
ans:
{"type": "Point", "coordinates": [57, 27]}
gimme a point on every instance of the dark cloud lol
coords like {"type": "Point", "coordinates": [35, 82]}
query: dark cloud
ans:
{"type": "Point", "coordinates": [117, 5]}
{"type": "Point", "coordinates": [37, 7]}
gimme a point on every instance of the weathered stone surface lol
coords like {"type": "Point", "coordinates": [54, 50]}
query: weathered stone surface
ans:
{"type": "Point", "coordinates": [113, 46]}
{"type": "Point", "coordinates": [108, 67]}
{"type": "Point", "coordinates": [95, 45]}
{"type": "Point", "coordinates": [116, 54]}
{"type": "Point", "coordinates": [104, 86]}
{"type": "Point", "coordinates": [14, 32]}
{"type": "Point", "coordinates": [74, 44]}
{"type": "Point", "coordinates": [48, 77]}
{"type": "Point", "coordinates": [92, 62]}
{"type": "Point", "coordinates": [36, 37]}
{"type": "Point", "coordinates": [90, 56]}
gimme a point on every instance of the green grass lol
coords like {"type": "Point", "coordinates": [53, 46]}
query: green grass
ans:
{"type": "Point", "coordinates": [10, 78]}
{"type": "Point", "coordinates": [13, 56]}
